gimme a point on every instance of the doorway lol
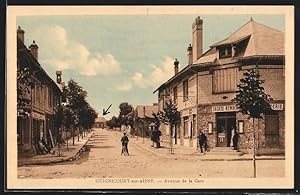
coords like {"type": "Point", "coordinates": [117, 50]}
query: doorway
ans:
{"type": "Point", "coordinates": [225, 122]}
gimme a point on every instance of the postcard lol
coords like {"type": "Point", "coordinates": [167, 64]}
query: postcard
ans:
{"type": "Point", "coordinates": [150, 97]}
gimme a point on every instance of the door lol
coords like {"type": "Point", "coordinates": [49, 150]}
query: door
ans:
{"type": "Point", "coordinates": [225, 122]}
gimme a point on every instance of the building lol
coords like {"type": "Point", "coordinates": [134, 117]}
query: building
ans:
{"type": "Point", "coordinates": [143, 117]}
{"type": "Point", "coordinates": [100, 122]}
{"type": "Point", "coordinates": [204, 89]}
{"type": "Point", "coordinates": [44, 95]}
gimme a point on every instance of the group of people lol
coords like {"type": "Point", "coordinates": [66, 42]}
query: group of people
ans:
{"type": "Point", "coordinates": [44, 148]}
{"type": "Point", "coordinates": [202, 140]}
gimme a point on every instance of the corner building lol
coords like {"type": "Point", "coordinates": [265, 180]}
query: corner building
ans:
{"type": "Point", "coordinates": [204, 89]}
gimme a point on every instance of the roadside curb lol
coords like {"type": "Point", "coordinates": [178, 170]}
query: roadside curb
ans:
{"type": "Point", "coordinates": [174, 157]}
{"type": "Point", "coordinates": [63, 159]}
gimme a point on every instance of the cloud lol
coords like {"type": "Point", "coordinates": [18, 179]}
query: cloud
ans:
{"type": "Point", "coordinates": [125, 87]}
{"type": "Point", "coordinates": [157, 75]}
{"type": "Point", "coordinates": [58, 50]}
{"type": "Point", "coordinates": [139, 80]}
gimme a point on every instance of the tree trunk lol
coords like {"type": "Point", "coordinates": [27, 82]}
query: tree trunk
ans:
{"type": "Point", "coordinates": [73, 135]}
{"type": "Point", "coordinates": [254, 150]}
{"type": "Point", "coordinates": [171, 141]}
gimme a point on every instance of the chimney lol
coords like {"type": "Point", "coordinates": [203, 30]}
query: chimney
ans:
{"type": "Point", "coordinates": [176, 62]}
{"type": "Point", "coordinates": [197, 38]}
{"type": "Point", "coordinates": [34, 50]}
{"type": "Point", "coordinates": [20, 34]}
{"type": "Point", "coordinates": [58, 77]}
{"type": "Point", "coordinates": [190, 54]}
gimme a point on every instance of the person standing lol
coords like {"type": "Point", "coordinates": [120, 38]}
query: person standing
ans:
{"type": "Point", "coordinates": [125, 141]}
{"type": "Point", "coordinates": [202, 141]}
{"type": "Point", "coordinates": [232, 135]}
{"type": "Point", "coordinates": [235, 140]}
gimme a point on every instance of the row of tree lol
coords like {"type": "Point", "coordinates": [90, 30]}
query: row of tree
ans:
{"type": "Point", "coordinates": [75, 112]}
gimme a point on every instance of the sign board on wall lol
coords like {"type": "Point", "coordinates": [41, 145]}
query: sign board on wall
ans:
{"type": "Point", "coordinates": [227, 108]}
{"type": "Point", "coordinates": [233, 108]}
{"type": "Point", "coordinates": [38, 116]}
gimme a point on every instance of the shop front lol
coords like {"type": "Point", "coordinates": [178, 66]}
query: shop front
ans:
{"type": "Point", "coordinates": [225, 122]}
{"type": "Point", "coordinates": [218, 121]}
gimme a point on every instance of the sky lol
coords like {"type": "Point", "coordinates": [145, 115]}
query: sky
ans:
{"type": "Point", "coordinates": [124, 58]}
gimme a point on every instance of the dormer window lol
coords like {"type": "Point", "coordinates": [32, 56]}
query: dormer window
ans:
{"type": "Point", "coordinates": [225, 51]}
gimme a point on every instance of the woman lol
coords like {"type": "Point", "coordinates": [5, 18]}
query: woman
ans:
{"type": "Point", "coordinates": [232, 135]}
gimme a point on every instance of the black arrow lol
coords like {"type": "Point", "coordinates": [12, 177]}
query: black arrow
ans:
{"type": "Point", "coordinates": [105, 112]}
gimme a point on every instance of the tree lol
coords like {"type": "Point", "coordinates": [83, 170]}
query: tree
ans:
{"type": "Point", "coordinates": [75, 96]}
{"type": "Point", "coordinates": [87, 116]}
{"type": "Point", "coordinates": [170, 116]}
{"type": "Point", "coordinates": [126, 114]}
{"type": "Point", "coordinates": [252, 100]}
{"type": "Point", "coordinates": [24, 85]}
{"type": "Point", "coordinates": [112, 122]}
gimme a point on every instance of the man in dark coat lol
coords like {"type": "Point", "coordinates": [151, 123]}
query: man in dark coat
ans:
{"type": "Point", "coordinates": [125, 141]}
{"type": "Point", "coordinates": [235, 140]}
{"type": "Point", "coordinates": [202, 141]}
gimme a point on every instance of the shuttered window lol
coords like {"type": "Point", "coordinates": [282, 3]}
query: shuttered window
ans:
{"type": "Point", "coordinates": [225, 80]}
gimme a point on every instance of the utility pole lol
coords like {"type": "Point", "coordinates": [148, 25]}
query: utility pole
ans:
{"type": "Point", "coordinates": [144, 109]}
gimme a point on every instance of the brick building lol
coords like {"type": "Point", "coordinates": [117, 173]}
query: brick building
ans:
{"type": "Point", "coordinates": [203, 90]}
{"type": "Point", "coordinates": [44, 95]}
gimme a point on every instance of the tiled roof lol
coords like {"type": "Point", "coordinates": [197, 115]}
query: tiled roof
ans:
{"type": "Point", "coordinates": [148, 111]}
{"type": "Point", "coordinates": [100, 120]}
{"type": "Point", "coordinates": [263, 41]}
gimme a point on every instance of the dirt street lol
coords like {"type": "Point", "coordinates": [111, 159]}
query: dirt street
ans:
{"type": "Point", "coordinates": [103, 159]}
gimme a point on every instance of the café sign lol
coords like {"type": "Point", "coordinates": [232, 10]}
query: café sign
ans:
{"type": "Point", "coordinates": [233, 108]}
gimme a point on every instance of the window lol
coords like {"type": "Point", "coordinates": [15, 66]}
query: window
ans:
{"type": "Point", "coordinates": [225, 52]}
{"type": "Point", "coordinates": [185, 126]}
{"type": "Point", "coordinates": [225, 80]}
{"type": "Point", "coordinates": [185, 90]}
{"type": "Point", "coordinates": [272, 125]}
{"type": "Point", "coordinates": [175, 95]}
{"type": "Point", "coordinates": [271, 130]}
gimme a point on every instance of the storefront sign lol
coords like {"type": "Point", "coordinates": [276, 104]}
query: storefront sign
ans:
{"type": "Point", "coordinates": [233, 108]}
{"type": "Point", "coordinates": [277, 106]}
{"type": "Point", "coordinates": [228, 108]}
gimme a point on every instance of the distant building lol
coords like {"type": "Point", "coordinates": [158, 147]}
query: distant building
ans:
{"type": "Point", "coordinates": [203, 90]}
{"type": "Point", "coordinates": [100, 122]}
{"type": "Point", "coordinates": [143, 118]}
{"type": "Point", "coordinates": [44, 94]}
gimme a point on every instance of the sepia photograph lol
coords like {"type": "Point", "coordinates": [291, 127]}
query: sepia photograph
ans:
{"type": "Point", "coordinates": [146, 97]}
